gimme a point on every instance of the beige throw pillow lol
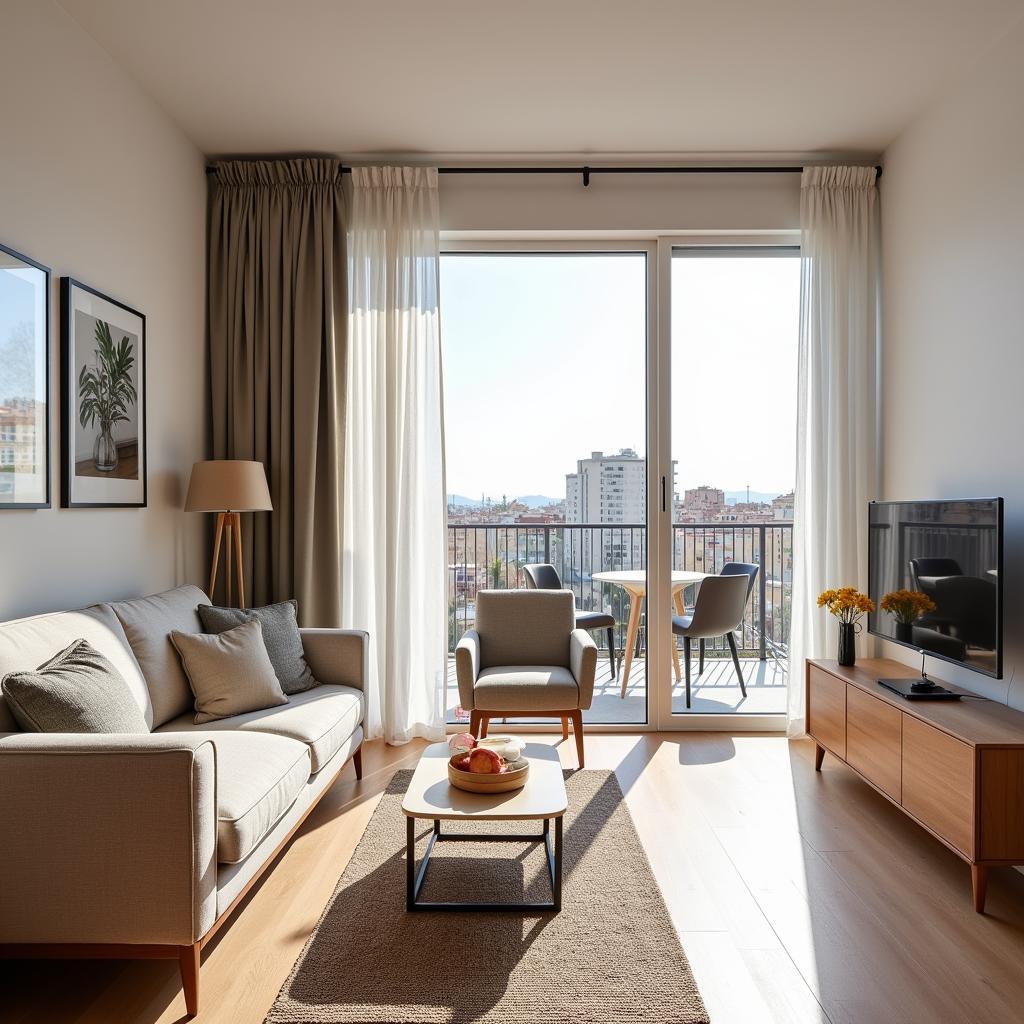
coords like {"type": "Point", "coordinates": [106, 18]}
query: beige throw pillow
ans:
{"type": "Point", "coordinates": [230, 673]}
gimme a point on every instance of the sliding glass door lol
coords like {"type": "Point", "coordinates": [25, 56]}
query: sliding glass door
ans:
{"type": "Point", "coordinates": [733, 382]}
{"type": "Point", "coordinates": [545, 382]}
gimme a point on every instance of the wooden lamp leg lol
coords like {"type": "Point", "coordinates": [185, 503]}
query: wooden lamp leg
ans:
{"type": "Point", "coordinates": [218, 536]}
{"type": "Point", "coordinates": [228, 522]}
{"type": "Point", "coordinates": [237, 516]}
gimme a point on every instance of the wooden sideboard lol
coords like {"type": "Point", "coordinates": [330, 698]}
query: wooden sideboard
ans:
{"type": "Point", "coordinates": [954, 767]}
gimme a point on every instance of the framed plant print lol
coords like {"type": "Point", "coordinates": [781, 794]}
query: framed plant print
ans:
{"type": "Point", "coordinates": [103, 400]}
{"type": "Point", "coordinates": [24, 382]}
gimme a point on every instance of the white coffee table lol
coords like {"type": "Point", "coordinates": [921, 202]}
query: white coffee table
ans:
{"type": "Point", "coordinates": [432, 797]}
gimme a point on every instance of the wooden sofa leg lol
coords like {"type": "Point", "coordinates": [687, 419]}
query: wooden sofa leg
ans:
{"type": "Point", "coordinates": [577, 728]}
{"type": "Point", "coordinates": [188, 961]}
{"type": "Point", "coordinates": [357, 762]}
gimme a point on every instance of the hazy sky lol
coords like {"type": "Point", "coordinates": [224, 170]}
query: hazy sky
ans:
{"type": "Point", "coordinates": [544, 362]}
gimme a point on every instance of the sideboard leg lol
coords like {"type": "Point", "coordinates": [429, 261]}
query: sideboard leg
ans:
{"type": "Point", "coordinates": [819, 756]}
{"type": "Point", "coordinates": [979, 884]}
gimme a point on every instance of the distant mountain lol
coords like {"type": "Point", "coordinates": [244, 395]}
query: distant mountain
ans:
{"type": "Point", "coordinates": [764, 497]}
{"type": "Point", "coordinates": [530, 500]}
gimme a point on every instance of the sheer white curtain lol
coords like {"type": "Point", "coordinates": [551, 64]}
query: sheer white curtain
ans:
{"type": "Point", "coordinates": [836, 462]}
{"type": "Point", "coordinates": [394, 522]}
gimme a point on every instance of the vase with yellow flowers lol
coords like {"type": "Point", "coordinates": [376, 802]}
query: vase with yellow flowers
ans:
{"type": "Point", "coordinates": [906, 606]}
{"type": "Point", "coordinates": [847, 604]}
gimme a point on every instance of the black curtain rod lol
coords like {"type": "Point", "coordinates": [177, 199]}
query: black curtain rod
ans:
{"type": "Point", "coordinates": [586, 171]}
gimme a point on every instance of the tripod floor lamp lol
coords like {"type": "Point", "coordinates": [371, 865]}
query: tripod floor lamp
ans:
{"type": "Point", "coordinates": [228, 487]}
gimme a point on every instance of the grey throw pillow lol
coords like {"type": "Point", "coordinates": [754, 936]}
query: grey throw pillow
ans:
{"type": "Point", "coordinates": [77, 690]}
{"type": "Point", "coordinates": [280, 634]}
{"type": "Point", "coordinates": [230, 673]}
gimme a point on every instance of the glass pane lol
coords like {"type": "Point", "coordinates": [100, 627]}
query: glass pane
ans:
{"type": "Point", "coordinates": [735, 319]}
{"type": "Point", "coordinates": [545, 436]}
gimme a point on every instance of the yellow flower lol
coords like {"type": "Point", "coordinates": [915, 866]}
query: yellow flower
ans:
{"type": "Point", "coordinates": [846, 603]}
{"type": "Point", "coordinates": [907, 605]}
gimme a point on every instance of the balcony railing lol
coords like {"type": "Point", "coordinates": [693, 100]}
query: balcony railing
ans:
{"type": "Point", "coordinates": [484, 555]}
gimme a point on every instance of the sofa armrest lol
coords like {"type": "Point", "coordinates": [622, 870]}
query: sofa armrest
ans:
{"type": "Point", "coordinates": [583, 662]}
{"type": "Point", "coordinates": [338, 655]}
{"type": "Point", "coordinates": [467, 666]}
{"type": "Point", "coordinates": [107, 838]}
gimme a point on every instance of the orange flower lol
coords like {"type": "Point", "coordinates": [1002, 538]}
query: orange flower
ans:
{"type": "Point", "coordinates": [907, 605]}
{"type": "Point", "coordinates": [847, 604]}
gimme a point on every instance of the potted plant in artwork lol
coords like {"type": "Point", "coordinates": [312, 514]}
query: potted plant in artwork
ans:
{"type": "Point", "coordinates": [847, 604]}
{"type": "Point", "coordinates": [906, 606]}
{"type": "Point", "coordinates": [106, 392]}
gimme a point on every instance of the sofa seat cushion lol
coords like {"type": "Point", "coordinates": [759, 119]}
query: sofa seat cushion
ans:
{"type": "Point", "coordinates": [322, 718]}
{"type": "Point", "coordinates": [526, 688]}
{"type": "Point", "coordinates": [258, 778]}
{"type": "Point", "coordinates": [26, 643]}
{"type": "Point", "coordinates": [147, 623]}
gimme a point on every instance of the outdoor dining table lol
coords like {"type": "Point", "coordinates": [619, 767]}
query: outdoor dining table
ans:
{"type": "Point", "coordinates": [634, 582]}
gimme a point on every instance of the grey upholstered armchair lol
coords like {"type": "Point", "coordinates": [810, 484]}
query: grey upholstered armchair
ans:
{"type": "Point", "coordinates": [526, 659]}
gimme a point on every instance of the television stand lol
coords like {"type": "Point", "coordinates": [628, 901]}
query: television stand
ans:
{"type": "Point", "coordinates": [956, 767]}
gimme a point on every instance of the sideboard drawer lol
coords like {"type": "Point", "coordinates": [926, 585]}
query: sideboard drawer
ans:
{"type": "Point", "coordinates": [826, 710]}
{"type": "Point", "coordinates": [938, 783]}
{"type": "Point", "coordinates": [873, 739]}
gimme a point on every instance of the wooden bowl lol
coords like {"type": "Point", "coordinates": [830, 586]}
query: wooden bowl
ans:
{"type": "Point", "coordinates": [471, 782]}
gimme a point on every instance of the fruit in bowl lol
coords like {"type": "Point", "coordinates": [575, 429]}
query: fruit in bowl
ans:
{"type": "Point", "coordinates": [486, 762]}
{"type": "Point", "coordinates": [462, 743]}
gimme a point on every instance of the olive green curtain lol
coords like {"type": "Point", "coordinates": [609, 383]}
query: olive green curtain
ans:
{"type": "Point", "coordinates": [277, 332]}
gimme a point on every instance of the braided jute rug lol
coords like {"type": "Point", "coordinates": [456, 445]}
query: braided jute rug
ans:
{"type": "Point", "coordinates": [610, 957]}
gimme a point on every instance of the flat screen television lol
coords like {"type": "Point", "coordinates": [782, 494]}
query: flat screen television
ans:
{"type": "Point", "coordinates": [953, 552]}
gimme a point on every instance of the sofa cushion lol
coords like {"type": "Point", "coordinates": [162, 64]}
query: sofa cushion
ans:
{"type": "Point", "coordinates": [280, 635]}
{"type": "Point", "coordinates": [147, 624]}
{"type": "Point", "coordinates": [526, 688]}
{"type": "Point", "coordinates": [258, 778]}
{"type": "Point", "coordinates": [27, 643]}
{"type": "Point", "coordinates": [323, 718]}
{"type": "Point", "coordinates": [77, 690]}
{"type": "Point", "coordinates": [230, 673]}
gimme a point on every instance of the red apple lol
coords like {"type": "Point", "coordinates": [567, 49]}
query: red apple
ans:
{"type": "Point", "coordinates": [462, 763]}
{"type": "Point", "coordinates": [484, 762]}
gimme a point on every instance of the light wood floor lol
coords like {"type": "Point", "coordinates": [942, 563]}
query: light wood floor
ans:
{"type": "Point", "coordinates": [798, 897]}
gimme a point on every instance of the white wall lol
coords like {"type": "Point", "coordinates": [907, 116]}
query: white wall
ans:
{"type": "Point", "coordinates": [631, 205]}
{"type": "Point", "coordinates": [953, 319]}
{"type": "Point", "coordinates": [97, 183]}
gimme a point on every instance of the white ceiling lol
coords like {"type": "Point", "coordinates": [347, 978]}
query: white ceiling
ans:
{"type": "Point", "coordinates": [544, 77]}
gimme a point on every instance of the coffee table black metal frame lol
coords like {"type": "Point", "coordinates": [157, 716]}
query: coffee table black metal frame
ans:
{"type": "Point", "coordinates": [414, 877]}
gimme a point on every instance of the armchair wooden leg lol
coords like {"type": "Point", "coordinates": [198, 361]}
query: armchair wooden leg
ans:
{"type": "Point", "coordinates": [565, 727]}
{"type": "Point", "coordinates": [577, 728]}
{"type": "Point", "coordinates": [474, 723]}
{"type": "Point", "coordinates": [485, 723]}
{"type": "Point", "coordinates": [357, 762]}
{"type": "Point", "coordinates": [188, 962]}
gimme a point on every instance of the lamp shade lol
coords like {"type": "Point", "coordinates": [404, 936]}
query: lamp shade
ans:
{"type": "Point", "coordinates": [228, 485]}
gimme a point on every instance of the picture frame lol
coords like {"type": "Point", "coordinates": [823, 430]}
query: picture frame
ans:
{"type": "Point", "coordinates": [103, 400]}
{"type": "Point", "coordinates": [24, 382]}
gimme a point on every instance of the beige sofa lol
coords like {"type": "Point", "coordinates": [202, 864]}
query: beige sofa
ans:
{"type": "Point", "coordinates": [141, 845]}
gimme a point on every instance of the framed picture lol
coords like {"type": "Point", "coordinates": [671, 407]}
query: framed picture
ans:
{"type": "Point", "coordinates": [24, 382]}
{"type": "Point", "coordinates": [103, 385]}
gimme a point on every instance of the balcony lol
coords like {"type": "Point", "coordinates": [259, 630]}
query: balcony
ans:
{"type": "Point", "coordinates": [491, 555]}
